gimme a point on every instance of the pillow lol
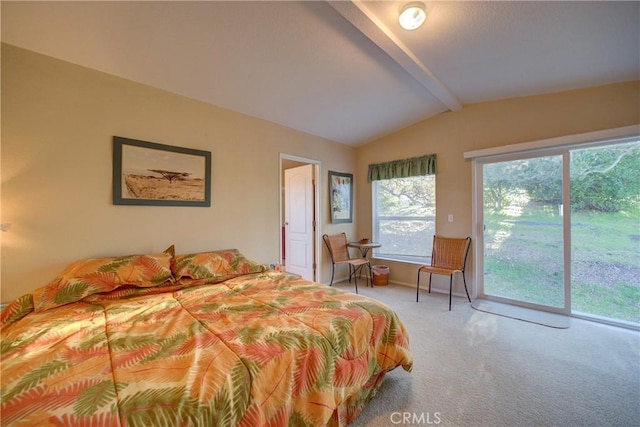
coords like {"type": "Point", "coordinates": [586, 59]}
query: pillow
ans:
{"type": "Point", "coordinates": [214, 267]}
{"type": "Point", "coordinates": [98, 275]}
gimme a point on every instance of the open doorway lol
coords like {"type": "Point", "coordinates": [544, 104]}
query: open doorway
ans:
{"type": "Point", "coordinates": [299, 200]}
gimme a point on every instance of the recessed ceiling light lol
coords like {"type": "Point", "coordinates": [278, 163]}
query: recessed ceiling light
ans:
{"type": "Point", "coordinates": [412, 16]}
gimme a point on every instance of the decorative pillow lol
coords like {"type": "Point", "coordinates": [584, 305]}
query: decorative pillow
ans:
{"type": "Point", "coordinates": [98, 275]}
{"type": "Point", "coordinates": [214, 267]}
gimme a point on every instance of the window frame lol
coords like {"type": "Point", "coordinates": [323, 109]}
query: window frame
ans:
{"type": "Point", "coordinates": [379, 253]}
{"type": "Point", "coordinates": [560, 145]}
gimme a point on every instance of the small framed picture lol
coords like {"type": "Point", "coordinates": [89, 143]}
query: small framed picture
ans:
{"type": "Point", "coordinates": [341, 193]}
{"type": "Point", "coordinates": [147, 173]}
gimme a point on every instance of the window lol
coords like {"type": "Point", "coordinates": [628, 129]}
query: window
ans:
{"type": "Point", "coordinates": [404, 217]}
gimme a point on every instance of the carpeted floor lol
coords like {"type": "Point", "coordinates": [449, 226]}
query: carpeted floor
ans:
{"type": "Point", "coordinates": [474, 368]}
{"type": "Point", "coordinates": [534, 316]}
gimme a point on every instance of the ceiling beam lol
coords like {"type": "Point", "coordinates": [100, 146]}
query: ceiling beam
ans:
{"type": "Point", "coordinates": [361, 17]}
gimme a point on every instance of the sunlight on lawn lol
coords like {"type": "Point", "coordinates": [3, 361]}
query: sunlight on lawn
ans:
{"type": "Point", "coordinates": [500, 237]}
{"type": "Point", "coordinates": [515, 209]}
{"type": "Point", "coordinates": [528, 252]}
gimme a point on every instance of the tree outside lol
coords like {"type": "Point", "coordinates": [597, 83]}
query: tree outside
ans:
{"type": "Point", "coordinates": [405, 213]}
{"type": "Point", "coordinates": [523, 238]}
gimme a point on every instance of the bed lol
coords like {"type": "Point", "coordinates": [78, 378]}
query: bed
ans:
{"type": "Point", "coordinates": [206, 339]}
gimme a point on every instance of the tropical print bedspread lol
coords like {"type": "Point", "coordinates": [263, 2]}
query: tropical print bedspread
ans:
{"type": "Point", "coordinates": [259, 349]}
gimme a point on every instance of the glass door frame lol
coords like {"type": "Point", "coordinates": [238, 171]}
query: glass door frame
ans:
{"type": "Point", "coordinates": [559, 145]}
{"type": "Point", "coordinates": [478, 217]}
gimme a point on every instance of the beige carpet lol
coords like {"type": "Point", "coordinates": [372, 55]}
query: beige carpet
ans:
{"type": "Point", "coordinates": [477, 369]}
{"type": "Point", "coordinates": [534, 316]}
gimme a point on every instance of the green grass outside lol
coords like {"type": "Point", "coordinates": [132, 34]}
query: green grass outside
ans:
{"type": "Point", "coordinates": [524, 261]}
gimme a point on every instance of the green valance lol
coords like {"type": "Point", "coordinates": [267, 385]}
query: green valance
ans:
{"type": "Point", "coordinates": [417, 166]}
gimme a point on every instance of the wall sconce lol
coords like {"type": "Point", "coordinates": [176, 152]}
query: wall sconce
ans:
{"type": "Point", "coordinates": [412, 15]}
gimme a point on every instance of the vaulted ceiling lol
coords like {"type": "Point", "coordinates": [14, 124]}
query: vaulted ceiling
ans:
{"type": "Point", "coordinates": [344, 70]}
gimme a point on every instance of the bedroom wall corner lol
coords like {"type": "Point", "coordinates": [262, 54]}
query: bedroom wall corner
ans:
{"type": "Point", "coordinates": [58, 121]}
{"type": "Point", "coordinates": [486, 125]}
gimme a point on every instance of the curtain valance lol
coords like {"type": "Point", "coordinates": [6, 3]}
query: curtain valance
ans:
{"type": "Point", "coordinates": [416, 166]}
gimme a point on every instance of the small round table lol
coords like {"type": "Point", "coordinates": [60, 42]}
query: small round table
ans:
{"type": "Point", "coordinates": [364, 247]}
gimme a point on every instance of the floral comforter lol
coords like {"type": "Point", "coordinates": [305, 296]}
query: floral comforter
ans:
{"type": "Point", "coordinates": [259, 349]}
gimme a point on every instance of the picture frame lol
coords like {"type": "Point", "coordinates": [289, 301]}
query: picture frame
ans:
{"type": "Point", "coordinates": [341, 197]}
{"type": "Point", "coordinates": [153, 174]}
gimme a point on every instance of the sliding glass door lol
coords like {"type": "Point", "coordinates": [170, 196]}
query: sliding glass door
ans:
{"type": "Point", "coordinates": [605, 232]}
{"type": "Point", "coordinates": [523, 231]}
{"type": "Point", "coordinates": [560, 230]}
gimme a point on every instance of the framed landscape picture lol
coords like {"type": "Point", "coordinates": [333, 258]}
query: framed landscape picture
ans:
{"type": "Point", "coordinates": [341, 193]}
{"type": "Point", "coordinates": [147, 173]}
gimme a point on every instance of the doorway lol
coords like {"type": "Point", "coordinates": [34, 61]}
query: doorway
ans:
{"type": "Point", "coordinates": [559, 230]}
{"type": "Point", "coordinates": [524, 257]}
{"type": "Point", "coordinates": [299, 200]}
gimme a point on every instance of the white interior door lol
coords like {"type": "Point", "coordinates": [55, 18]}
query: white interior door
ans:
{"type": "Point", "coordinates": [299, 221]}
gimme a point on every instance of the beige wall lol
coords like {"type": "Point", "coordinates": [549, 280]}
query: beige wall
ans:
{"type": "Point", "coordinates": [487, 125]}
{"type": "Point", "coordinates": [58, 121]}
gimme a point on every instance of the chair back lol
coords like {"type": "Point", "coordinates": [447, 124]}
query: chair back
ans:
{"type": "Point", "coordinates": [449, 252]}
{"type": "Point", "coordinates": [337, 245]}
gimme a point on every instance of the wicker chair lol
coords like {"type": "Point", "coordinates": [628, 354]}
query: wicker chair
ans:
{"type": "Point", "coordinates": [339, 252]}
{"type": "Point", "coordinates": [449, 256]}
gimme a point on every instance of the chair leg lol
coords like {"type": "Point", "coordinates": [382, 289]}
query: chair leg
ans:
{"type": "Point", "coordinates": [370, 275]}
{"type": "Point", "coordinates": [450, 289]}
{"type": "Point", "coordinates": [465, 286]}
{"type": "Point", "coordinates": [418, 286]}
{"type": "Point", "coordinates": [333, 269]}
{"type": "Point", "coordinates": [430, 274]}
{"type": "Point", "coordinates": [355, 277]}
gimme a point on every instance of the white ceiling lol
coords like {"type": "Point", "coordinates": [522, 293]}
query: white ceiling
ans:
{"type": "Point", "coordinates": [342, 70]}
